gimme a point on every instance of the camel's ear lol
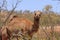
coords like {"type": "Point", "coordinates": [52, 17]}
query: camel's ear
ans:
{"type": "Point", "coordinates": [34, 12]}
{"type": "Point", "coordinates": [40, 13]}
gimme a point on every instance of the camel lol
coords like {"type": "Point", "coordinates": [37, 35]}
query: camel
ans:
{"type": "Point", "coordinates": [23, 24]}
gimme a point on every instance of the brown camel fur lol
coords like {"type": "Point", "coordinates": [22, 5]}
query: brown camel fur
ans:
{"type": "Point", "coordinates": [23, 24]}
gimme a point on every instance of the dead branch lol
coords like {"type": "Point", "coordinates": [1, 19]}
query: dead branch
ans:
{"type": "Point", "coordinates": [2, 5]}
{"type": "Point", "coordinates": [12, 11]}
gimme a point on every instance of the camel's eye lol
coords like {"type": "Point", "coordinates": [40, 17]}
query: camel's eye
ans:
{"type": "Point", "coordinates": [39, 15]}
{"type": "Point", "coordinates": [35, 13]}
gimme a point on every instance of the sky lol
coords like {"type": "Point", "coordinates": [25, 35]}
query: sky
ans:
{"type": "Point", "coordinates": [34, 4]}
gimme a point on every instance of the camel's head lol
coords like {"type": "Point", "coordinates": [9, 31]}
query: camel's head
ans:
{"type": "Point", "coordinates": [37, 14]}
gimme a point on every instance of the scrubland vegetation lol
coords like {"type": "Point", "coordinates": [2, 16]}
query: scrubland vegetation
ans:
{"type": "Point", "coordinates": [49, 27]}
{"type": "Point", "coordinates": [46, 21]}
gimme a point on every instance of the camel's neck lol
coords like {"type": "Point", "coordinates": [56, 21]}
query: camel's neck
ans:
{"type": "Point", "coordinates": [36, 24]}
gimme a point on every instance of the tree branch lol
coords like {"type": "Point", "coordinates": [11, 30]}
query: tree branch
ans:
{"type": "Point", "coordinates": [12, 11]}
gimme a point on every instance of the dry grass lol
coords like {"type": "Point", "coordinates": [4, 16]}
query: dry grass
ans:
{"type": "Point", "coordinates": [41, 34]}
